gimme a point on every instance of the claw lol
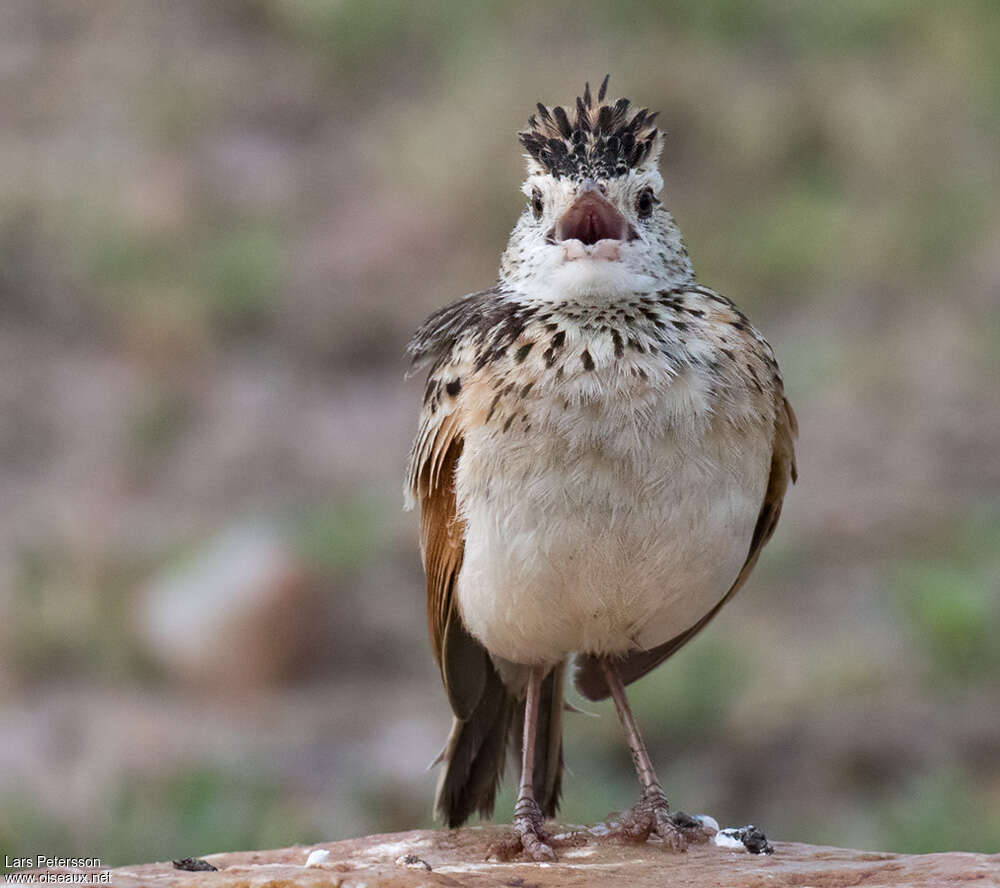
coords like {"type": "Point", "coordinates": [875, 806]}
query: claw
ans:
{"type": "Point", "coordinates": [530, 837]}
{"type": "Point", "coordinates": [534, 840]}
{"type": "Point", "coordinates": [527, 840]}
{"type": "Point", "coordinates": [651, 816]}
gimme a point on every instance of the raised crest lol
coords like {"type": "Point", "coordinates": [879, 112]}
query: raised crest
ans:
{"type": "Point", "coordinates": [600, 141]}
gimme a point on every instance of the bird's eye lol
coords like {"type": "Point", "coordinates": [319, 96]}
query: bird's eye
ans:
{"type": "Point", "coordinates": [537, 205]}
{"type": "Point", "coordinates": [644, 203]}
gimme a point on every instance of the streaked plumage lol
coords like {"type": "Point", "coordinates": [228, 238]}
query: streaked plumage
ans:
{"type": "Point", "coordinates": [603, 449]}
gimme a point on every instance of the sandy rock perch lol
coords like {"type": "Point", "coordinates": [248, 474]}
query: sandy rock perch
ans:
{"type": "Point", "coordinates": [457, 858]}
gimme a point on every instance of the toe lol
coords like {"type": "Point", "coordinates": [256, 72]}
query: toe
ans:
{"type": "Point", "coordinates": [537, 850]}
{"type": "Point", "coordinates": [673, 839]}
{"type": "Point", "coordinates": [532, 837]}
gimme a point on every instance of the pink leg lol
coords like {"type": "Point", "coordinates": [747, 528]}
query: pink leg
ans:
{"type": "Point", "coordinates": [530, 836]}
{"type": "Point", "coordinates": [651, 814]}
{"type": "Point", "coordinates": [528, 817]}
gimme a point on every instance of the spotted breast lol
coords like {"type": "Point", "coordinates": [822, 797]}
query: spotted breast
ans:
{"type": "Point", "coordinates": [614, 459]}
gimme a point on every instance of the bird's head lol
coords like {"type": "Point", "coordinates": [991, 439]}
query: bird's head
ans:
{"type": "Point", "coordinates": [593, 223]}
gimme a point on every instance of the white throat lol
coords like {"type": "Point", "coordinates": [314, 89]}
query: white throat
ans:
{"type": "Point", "coordinates": [584, 280]}
{"type": "Point", "coordinates": [565, 275]}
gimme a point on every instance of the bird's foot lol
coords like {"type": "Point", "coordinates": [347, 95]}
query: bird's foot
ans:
{"type": "Point", "coordinates": [530, 836]}
{"type": "Point", "coordinates": [651, 816]}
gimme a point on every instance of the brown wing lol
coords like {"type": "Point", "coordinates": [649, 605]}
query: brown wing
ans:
{"type": "Point", "coordinates": [589, 677]}
{"type": "Point", "coordinates": [451, 341]}
{"type": "Point", "coordinates": [463, 661]}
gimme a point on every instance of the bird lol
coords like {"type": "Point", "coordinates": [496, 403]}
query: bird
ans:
{"type": "Point", "coordinates": [603, 449]}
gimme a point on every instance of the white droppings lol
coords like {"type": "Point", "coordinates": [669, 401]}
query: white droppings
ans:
{"type": "Point", "coordinates": [707, 820]}
{"type": "Point", "coordinates": [317, 857]}
{"type": "Point", "coordinates": [599, 829]}
{"type": "Point", "coordinates": [579, 852]}
{"type": "Point", "coordinates": [728, 838]}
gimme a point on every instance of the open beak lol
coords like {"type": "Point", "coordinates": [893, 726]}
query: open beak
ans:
{"type": "Point", "coordinates": [590, 220]}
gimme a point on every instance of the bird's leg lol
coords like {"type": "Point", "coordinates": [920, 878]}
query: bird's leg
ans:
{"type": "Point", "coordinates": [528, 819]}
{"type": "Point", "coordinates": [650, 814]}
{"type": "Point", "coordinates": [531, 837]}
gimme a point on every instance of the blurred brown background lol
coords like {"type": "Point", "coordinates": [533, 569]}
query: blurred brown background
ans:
{"type": "Point", "coordinates": [219, 222]}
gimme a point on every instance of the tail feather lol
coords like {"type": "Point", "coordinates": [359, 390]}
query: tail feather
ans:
{"type": "Point", "coordinates": [476, 752]}
{"type": "Point", "coordinates": [475, 755]}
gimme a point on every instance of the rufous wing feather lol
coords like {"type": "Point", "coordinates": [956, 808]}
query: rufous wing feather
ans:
{"type": "Point", "coordinates": [463, 661]}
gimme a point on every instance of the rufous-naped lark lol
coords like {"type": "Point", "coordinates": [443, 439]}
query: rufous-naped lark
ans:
{"type": "Point", "coordinates": [603, 451]}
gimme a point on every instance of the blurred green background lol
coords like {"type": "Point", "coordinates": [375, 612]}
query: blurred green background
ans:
{"type": "Point", "coordinates": [219, 222]}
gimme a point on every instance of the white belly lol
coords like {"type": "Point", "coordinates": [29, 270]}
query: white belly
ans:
{"type": "Point", "coordinates": [605, 531]}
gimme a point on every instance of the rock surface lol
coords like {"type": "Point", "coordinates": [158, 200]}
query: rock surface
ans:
{"type": "Point", "coordinates": [458, 858]}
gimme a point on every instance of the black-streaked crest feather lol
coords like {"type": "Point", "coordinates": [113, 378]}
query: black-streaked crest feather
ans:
{"type": "Point", "coordinates": [602, 141]}
{"type": "Point", "coordinates": [603, 120]}
{"type": "Point", "coordinates": [560, 115]}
